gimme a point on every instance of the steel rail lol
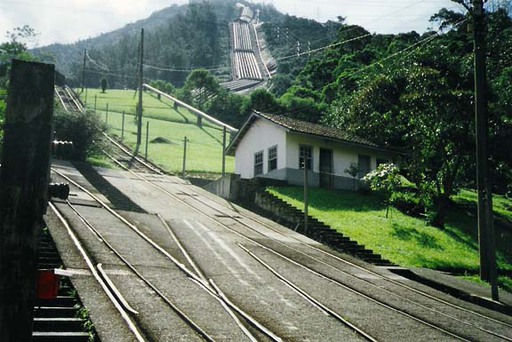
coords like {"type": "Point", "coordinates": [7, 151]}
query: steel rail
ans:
{"type": "Point", "coordinates": [338, 283]}
{"type": "Point", "coordinates": [361, 268]}
{"type": "Point", "coordinates": [394, 282]}
{"type": "Point", "coordinates": [182, 267]}
{"type": "Point", "coordinates": [365, 270]}
{"type": "Point", "coordinates": [71, 96]}
{"type": "Point", "coordinates": [187, 204]}
{"type": "Point", "coordinates": [206, 282]}
{"type": "Point", "coordinates": [117, 293]}
{"type": "Point", "coordinates": [61, 99]}
{"type": "Point", "coordinates": [131, 325]}
{"type": "Point", "coordinates": [310, 298]}
{"type": "Point", "coordinates": [377, 301]}
{"type": "Point", "coordinates": [189, 321]}
{"type": "Point", "coordinates": [131, 155]}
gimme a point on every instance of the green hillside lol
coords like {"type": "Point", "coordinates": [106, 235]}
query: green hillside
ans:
{"type": "Point", "coordinates": [409, 241]}
{"type": "Point", "coordinates": [168, 128]}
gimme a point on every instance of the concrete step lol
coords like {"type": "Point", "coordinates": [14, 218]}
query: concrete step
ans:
{"type": "Point", "coordinates": [53, 336]}
{"type": "Point", "coordinates": [60, 324]}
{"type": "Point", "coordinates": [54, 311]}
{"type": "Point", "coordinates": [61, 301]}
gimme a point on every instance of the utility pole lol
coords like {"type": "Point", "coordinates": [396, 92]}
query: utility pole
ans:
{"type": "Point", "coordinates": [488, 270]}
{"type": "Point", "coordinates": [23, 192]}
{"type": "Point", "coordinates": [83, 71]}
{"type": "Point", "coordinates": [139, 104]}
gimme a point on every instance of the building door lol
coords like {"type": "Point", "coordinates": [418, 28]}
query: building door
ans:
{"type": "Point", "coordinates": [364, 164]}
{"type": "Point", "coordinates": [326, 169]}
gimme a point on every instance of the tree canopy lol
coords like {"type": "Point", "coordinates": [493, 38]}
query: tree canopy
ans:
{"type": "Point", "coordinates": [416, 93]}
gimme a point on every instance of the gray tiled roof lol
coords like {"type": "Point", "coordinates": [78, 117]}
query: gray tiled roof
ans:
{"type": "Point", "coordinates": [303, 127]}
{"type": "Point", "coordinates": [315, 129]}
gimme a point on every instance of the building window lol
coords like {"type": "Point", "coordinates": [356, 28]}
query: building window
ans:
{"type": "Point", "coordinates": [258, 163]}
{"type": "Point", "coordinates": [305, 156]}
{"type": "Point", "coordinates": [272, 158]}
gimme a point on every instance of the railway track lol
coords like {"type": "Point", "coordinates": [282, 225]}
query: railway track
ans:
{"type": "Point", "coordinates": [403, 293]}
{"type": "Point", "coordinates": [361, 283]}
{"type": "Point", "coordinates": [123, 157]}
{"type": "Point", "coordinates": [69, 99]}
{"type": "Point", "coordinates": [185, 265]}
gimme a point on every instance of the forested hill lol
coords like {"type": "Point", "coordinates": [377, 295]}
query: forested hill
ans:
{"type": "Point", "coordinates": [177, 40]}
{"type": "Point", "coordinates": [65, 55]}
{"type": "Point", "coordinates": [416, 92]}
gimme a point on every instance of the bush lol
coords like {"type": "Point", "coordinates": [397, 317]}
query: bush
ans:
{"type": "Point", "coordinates": [82, 129]}
{"type": "Point", "coordinates": [386, 180]}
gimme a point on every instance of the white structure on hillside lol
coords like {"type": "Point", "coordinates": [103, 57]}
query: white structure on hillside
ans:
{"type": "Point", "coordinates": [276, 147]}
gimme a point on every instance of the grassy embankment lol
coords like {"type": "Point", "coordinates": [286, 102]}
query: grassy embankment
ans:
{"type": "Point", "coordinates": [409, 241]}
{"type": "Point", "coordinates": [167, 129]}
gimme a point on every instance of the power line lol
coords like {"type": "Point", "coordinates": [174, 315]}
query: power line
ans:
{"type": "Point", "coordinates": [410, 48]}
{"type": "Point", "coordinates": [103, 67]}
{"type": "Point", "coordinates": [182, 70]}
{"type": "Point", "coordinates": [99, 72]}
{"type": "Point", "coordinates": [324, 47]}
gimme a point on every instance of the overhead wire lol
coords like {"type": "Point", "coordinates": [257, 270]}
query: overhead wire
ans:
{"type": "Point", "coordinates": [98, 72]}
{"type": "Point", "coordinates": [103, 67]}
{"type": "Point", "coordinates": [182, 70]}
{"type": "Point", "coordinates": [324, 47]}
{"type": "Point", "coordinates": [410, 48]}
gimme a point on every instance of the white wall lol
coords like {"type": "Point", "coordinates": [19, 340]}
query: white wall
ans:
{"type": "Point", "coordinates": [343, 155]}
{"type": "Point", "coordinates": [260, 137]}
{"type": "Point", "coordinates": [264, 134]}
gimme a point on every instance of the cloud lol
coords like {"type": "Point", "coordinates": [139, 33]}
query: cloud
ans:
{"type": "Point", "coordinates": [66, 21]}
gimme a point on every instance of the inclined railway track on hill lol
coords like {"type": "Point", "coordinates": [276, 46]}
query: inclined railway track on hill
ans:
{"type": "Point", "coordinates": [69, 99]}
{"type": "Point", "coordinates": [188, 267]}
{"type": "Point", "coordinates": [126, 159]}
{"type": "Point", "coordinates": [228, 212]}
{"type": "Point", "coordinates": [360, 283]}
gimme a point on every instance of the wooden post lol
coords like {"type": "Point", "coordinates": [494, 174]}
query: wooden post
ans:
{"type": "Point", "coordinates": [23, 192]}
{"type": "Point", "coordinates": [184, 157]}
{"type": "Point", "coordinates": [147, 141]}
{"type": "Point", "coordinates": [224, 133]}
{"type": "Point", "coordinates": [306, 200]}
{"type": "Point", "coordinates": [122, 126]}
{"type": "Point", "coordinates": [140, 85]}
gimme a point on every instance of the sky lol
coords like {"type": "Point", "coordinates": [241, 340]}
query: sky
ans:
{"type": "Point", "coordinates": [67, 21]}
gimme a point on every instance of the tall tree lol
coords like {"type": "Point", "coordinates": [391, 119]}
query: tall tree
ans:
{"type": "Point", "coordinates": [200, 85]}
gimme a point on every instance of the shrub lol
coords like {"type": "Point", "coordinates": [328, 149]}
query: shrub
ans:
{"type": "Point", "coordinates": [82, 129]}
{"type": "Point", "coordinates": [384, 179]}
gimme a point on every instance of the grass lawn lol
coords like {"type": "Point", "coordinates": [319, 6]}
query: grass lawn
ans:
{"type": "Point", "coordinates": [404, 240]}
{"type": "Point", "coordinates": [167, 130]}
